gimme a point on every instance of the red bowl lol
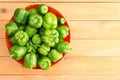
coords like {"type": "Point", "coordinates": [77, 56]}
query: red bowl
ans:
{"type": "Point", "coordinates": [50, 9]}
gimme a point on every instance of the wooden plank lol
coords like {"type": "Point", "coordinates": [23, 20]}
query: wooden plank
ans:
{"type": "Point", "coordinates": [67, 66]}
{"type": "Point", "coordinates": [103, 1]}
{"type": "Point", "coordinates": [76, 11]}
{"type": "Point", "coordinates": [83, 48]}
{"type": "Point", "coordinates": [59, 77]}
{"type": "Point", "coordinates": [86, 29]}
{"type": "Point", "coordinates": [95, 29]}
{"type": "Point", "coordinates": [95, 48]}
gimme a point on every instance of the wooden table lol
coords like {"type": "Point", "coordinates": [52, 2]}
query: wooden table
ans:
{"type": "Point", "coordinates": [95, 39]}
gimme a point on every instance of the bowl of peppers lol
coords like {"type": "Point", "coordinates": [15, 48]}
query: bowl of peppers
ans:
{"type": "Point", "coordinates": [37, 36]}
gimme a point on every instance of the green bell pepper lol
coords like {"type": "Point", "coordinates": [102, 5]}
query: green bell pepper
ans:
{"type": "Point", "coordinates": [17, 52]}
{"type": "Point", "coordinates": [11, 28]}
{"type": "Point", "coordinates": [20, 15]}
{"type": "Point", "coordinates": [32, 11]}
{"type": "Point", "coordinates": [63, 31]}
{"type": "Point", "coordinates": [44, 63]}
{"type": "Point", "coordinates": [55, 34]}
{"type": "Point", "coordinates": [42, 9]}
{"type": "Point", "coordinates": [54, 55]}
{"type": "Point", "coordinates": [44, 49]}
{"type": "Point", "coordinates": [30, 30]}
{"type": "Point", "coordinates": [30, 60]}
{"type": "Point", "coordinates": [21, 37]}
{"type": "Point", "coordinates": [51, 43]}
{"type": "Point", "coordinates": [36, 39]}
{"type": "Point", "coordinates": [64, 47]}
{"type": "Point", "coordinates": [35, 21]}
{"type": "Point", "coordinates": [50, 36]}
{"type": "Point", "coordinates": [50, 20]}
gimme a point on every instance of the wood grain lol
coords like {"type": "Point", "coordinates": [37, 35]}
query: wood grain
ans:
{"type": "Point", "coordinates": [3, 48]}
{"type": "Point", "coordinates": [76, 11]}
{"type": "Point", "coordinates": [86, 29]}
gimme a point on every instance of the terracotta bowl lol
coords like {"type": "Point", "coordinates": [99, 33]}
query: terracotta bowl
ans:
{"type": "Point", "coordinates": [50, 9]}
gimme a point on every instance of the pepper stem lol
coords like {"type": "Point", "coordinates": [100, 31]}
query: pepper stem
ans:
{"type": "Point", "coordinates": [36, 45]}
{"type": "Point", "coordinates": [29, 49]}
{"type": "Point", "coordinates": [11, 55]}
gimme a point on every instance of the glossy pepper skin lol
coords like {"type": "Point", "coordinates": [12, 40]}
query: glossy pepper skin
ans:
{"type": "Point", "coordinates": [50, 20]}
{"type": "Point", "coordinates": [35, 21]}
{"type": "Point", "coordinates": [63, 31]}
{"type": "Point", "coordinates": [17, 52]}
{"type": "Point", "coordinates": [20, 15]}
{"type": "Point", "coordinates": [43, 49]}
{"type": "Point", "coordinates": [21, 37]}
{"type": "Point", "coordinates": [54, 55]}
{"type": "Point", "coordinates": [64, 47]}
{"type": "Point", "coordinates": [36, 39]}
{"type": "Point", "coordinates": [30, 30]}
{"type": "Point", "coordinates": [11, 28]}
{"type": "Point", "coordinates": [44, 63]}
{"type": "Point", "coordinates": [50, 37]}
{"type": "Point", "coordinates": [30, 60]}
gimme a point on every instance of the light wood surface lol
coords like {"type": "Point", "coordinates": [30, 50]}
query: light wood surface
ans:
{"type": "Point", "coordinates": [95, 39]}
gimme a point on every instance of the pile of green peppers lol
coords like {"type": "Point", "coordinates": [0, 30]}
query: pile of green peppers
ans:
{"type": "Point", "coordinates": [37, 37]}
